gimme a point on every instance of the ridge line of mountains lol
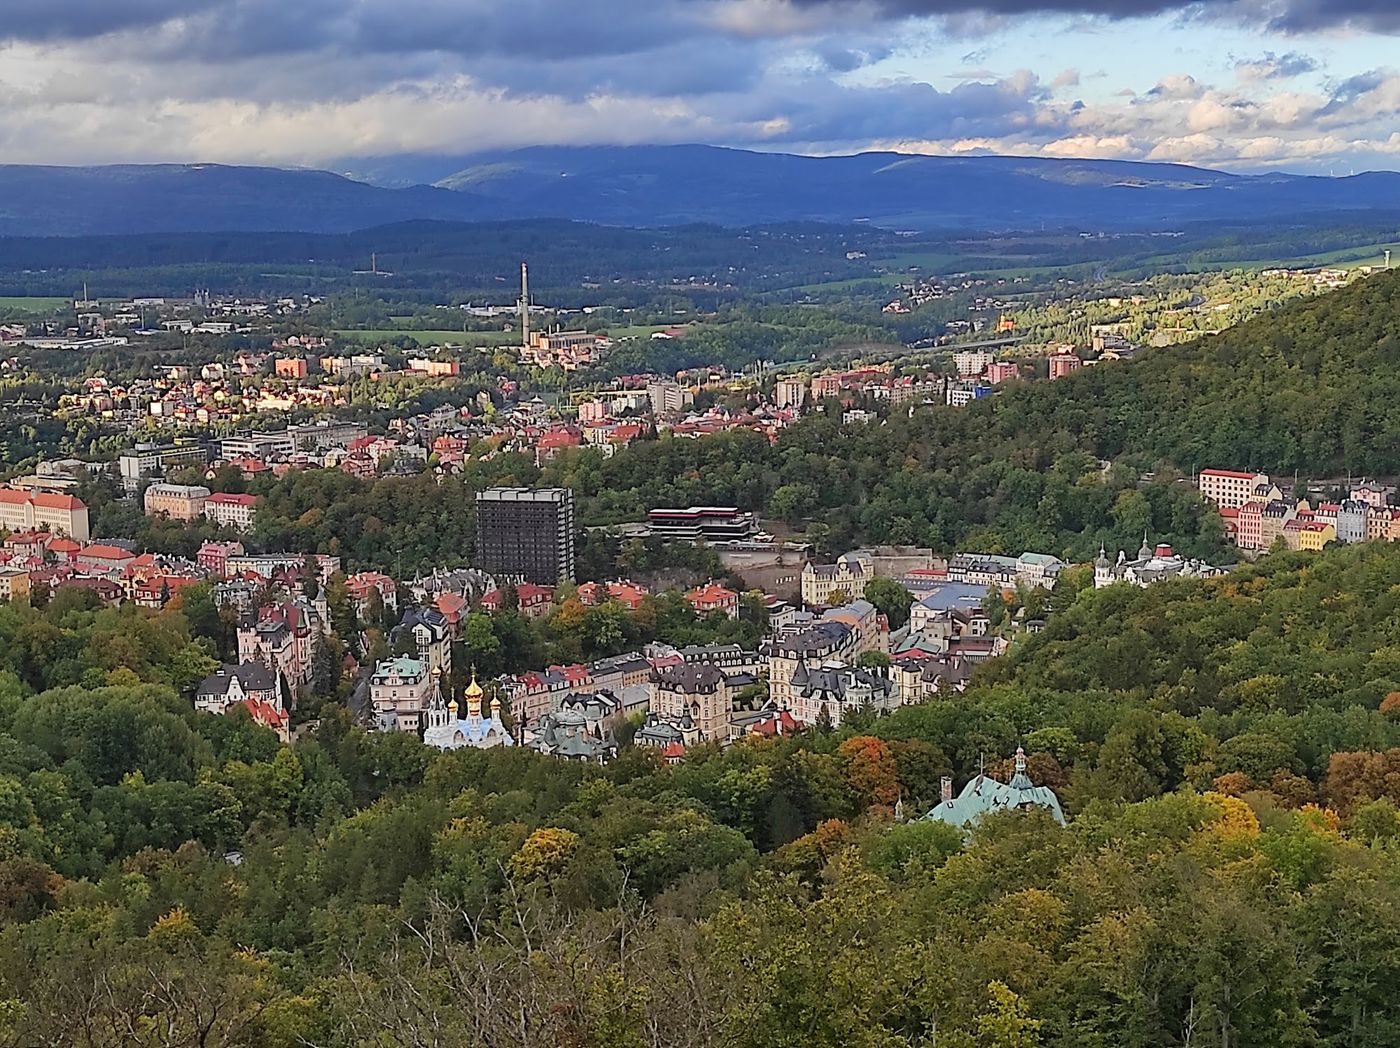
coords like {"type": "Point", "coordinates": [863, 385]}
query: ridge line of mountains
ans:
{"type": "Point", "coordinates": [642, 186]}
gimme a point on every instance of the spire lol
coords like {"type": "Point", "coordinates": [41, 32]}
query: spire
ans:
{"type": "Point", "coordinates": [438, 714]}
{"type": "Point", "coordinates": [1021, 781]}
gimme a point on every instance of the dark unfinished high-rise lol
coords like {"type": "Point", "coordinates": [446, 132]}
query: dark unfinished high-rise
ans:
{"type": "Point", "coordinates": [526, 534]}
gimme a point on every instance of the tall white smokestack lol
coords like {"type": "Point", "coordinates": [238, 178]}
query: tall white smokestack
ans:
{"type": "Point", "coordinates": [524, 305]}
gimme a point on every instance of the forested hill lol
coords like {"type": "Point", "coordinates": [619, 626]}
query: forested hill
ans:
{"type": "Point", "coordinates": [1229, 877]}
{"type": "Point", "coordinates": [1313, 387]}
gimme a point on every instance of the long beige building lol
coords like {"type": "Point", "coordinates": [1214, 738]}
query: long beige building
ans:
{"type": "Point", "coordinates": [184, 502]}
{"type": "Point", "coordinates": [1232, 488]}
{"type": "Point", "coordinates": [32, 511]}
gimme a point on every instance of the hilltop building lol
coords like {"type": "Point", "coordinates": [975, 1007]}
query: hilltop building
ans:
{"type": "Point", "coordinates": [984, 795]}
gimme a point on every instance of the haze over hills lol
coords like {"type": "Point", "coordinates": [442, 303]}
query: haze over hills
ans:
{"type": "Point", "coordinates": [671, 185]}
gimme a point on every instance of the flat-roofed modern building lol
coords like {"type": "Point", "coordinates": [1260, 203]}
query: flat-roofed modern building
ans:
{"type": "Point", "coordinates": [151, 460]}
{"type": "Point", "coordinates": [711, 523]}
{"type": "Point", "coordinates": [526, 533]}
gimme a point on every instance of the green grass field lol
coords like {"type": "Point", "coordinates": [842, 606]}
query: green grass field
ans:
{"type": "Point", "coordinates": [33, 305]}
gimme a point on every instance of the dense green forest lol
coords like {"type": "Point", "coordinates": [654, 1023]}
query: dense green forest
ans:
{"type": "Point", "coordinates": [1227, 752]}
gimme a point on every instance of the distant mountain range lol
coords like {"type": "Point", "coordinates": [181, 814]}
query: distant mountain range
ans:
{"type": "Point", "coordinates": [670, 185]}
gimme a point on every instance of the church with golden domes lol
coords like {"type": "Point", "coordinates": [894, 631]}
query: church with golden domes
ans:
{"type": "Point", "coordinates": [480, 727]}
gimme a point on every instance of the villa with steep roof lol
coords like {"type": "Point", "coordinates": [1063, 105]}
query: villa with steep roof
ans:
{"type": "Point", "coordinates": [984, 795]}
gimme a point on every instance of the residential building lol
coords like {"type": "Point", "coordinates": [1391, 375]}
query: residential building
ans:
{"type": "Point", "coordinates": [629, 594]}
{"type": "Point", "coordinates": [181, 502]}
{"type": "Point", "coordinates": [399, 692]}
{"type": "Point", "coordinates": [668, 397]}
{"type": "Point", "coordinates": [962, 393]}
{"type": "Point", "coordinates": [261, 689]}
{"type": "Point", "coordinates": [231, 511]}
{"type": "Point", "coordinates": [538, 692]}
{"type": "Point", "coordinates": [1272, 519]}
{"type": "Point", "coordinates": [269, 565]}
{"type": "Point", "coordinates": [1301, 533]}
{"type": "Point", "coordinates": [1377, 496]}
{"type": "Point", "coordinates": [790, 393]}
{"type": "Point", "coordinates": [102, 558]}
{"type": "Point", "coordinates": [14, 584]}
{"type": "Point", "coordinates": [264, 446]}
{"type": "Point", "coordinates": [848, 576]}
{"type": "Point", "coordinates": [577, 732]}
{"type": "Point", "coordinates": [534, 602]}
{"type": "Point", "coordinates": [283, 636]}
{"type": "Point", "coordinates": [972, 362]}
{"type": "Point", "coordinates": [1249, 525]}
{"type": "Point", "coordinates": [840, 635]}
{"type": "Point", "coordinates": [292, 367]}
{"type": "Point", "coordinates": [730, 658]}
{"type": "Point", "coordinates": [1378, 524]}
{"type": "Point", "coordinates": [37, 511]}
{"type": "Point", "coordinates": [432, 636]}
{"type": "Point", "coordinates": [831, 690]}
{"type": "Point", "coordinates": [987, 569]}
{"type": "Point", "coordinates": [1062, 364]}
{"type": "Point", "coordinates": [526, 533]}
{"type": "Point", "coordinates": [1002, 371]}
{"type": "Point", "coordinates": [213, 557]}
{"type": "Point", "coordinates": [321, 436]}
{"type": "Point", "coordinates": [1232, 488]}
{"type": "Point", "coordinates": [714, 597]}
{"type": "Point", "coordinates": [360, 586]}
{"type": "Point", "coordinates": [692, 697]}
{"type": "Point", "coordinates": [1351, 522]}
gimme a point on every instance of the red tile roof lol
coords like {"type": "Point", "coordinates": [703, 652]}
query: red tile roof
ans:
{"type": "Point", "coordinates": [43, 499]}
{"type": "Point", "coordinates": [1236, 474]}
{"type": "Point", "coordinates": [105, 552]}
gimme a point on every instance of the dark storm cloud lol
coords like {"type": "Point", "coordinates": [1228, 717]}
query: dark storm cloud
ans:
{"type": "Point", "coordinates": [85, 19]}
{"type": "Point", "coordinates": [563, 30]}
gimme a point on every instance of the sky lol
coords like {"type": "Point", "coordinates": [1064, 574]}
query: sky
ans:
{"type": "Point", "coordinates": [1244, 85]}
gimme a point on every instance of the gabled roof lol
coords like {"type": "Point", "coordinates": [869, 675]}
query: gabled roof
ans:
{"type": "Point", "coordinates": [251, 676]}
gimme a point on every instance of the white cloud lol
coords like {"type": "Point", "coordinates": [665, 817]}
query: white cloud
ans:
{"type": "Point", "coordinates": [313, 81]}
